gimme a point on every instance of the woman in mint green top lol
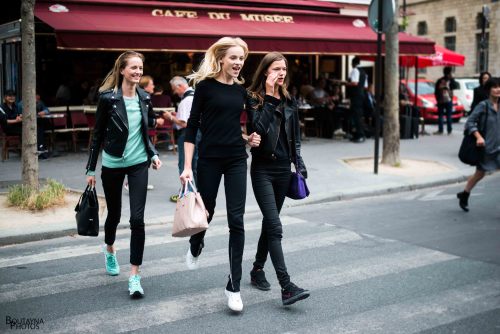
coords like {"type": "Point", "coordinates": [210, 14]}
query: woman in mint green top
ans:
{"type": "Point", "coordinates": [123, 115]}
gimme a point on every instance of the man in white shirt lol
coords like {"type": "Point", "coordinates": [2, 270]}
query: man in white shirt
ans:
{"type": "Point", "coordinates": [358, 83]}
{"type": "Point", "coordinates": [181, 88]}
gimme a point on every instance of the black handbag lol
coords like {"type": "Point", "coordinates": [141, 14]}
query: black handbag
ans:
{"type": "Point", "coordinates": [469, 153]}
{"type": "Point", "coordinates": [87, 213]}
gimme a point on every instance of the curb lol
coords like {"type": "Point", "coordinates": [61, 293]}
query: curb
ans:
{"type": "Point", "coordinates": [17, 239]}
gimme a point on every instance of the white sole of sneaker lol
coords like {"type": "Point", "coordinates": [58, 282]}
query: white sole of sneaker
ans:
{"type": "Point", "coordinates": [233, 305]}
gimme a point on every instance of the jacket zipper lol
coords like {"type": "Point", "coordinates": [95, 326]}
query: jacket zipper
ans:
{"type": "Point", "coordinates": [116, 123]}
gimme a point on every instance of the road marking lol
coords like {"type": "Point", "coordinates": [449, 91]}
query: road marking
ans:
{"type": "Point", "coordinates": [139, 316]}
{"type": "Point", "coordinates": [417, 314]}
{"type": "Point", "coordinates": [96, 277]}
{"type": "Point", "coordinates": [70, 251]}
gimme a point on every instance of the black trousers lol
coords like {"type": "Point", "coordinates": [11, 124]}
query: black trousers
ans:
{"type": "Point", "coordinates": [270, 181]}
{"type": "Point", "coordinates": [112, 182]}
{"type": "Point", "coordinates": [210, 171]}
{"type": "Point", "coordinates": [357, 122]}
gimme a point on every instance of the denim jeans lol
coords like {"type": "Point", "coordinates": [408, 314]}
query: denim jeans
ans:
{"type": "Point", "coordinates": [442, 108]}
{"type": "Point", "coordinates": [210, 171]}
{"type": "Point", "coordinates": [270, 182]}
{"type": "Point", "coordinates": [112, 182]}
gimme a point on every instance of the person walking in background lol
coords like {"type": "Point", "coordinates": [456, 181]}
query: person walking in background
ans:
{"type": "Point", "coordinates": [443, 92]}
{"type": "Point", "coordinates": [124, 113]}
{"type": "Point", "coordinates": [485, 118]}
{"type": "Point", "coordinates": [480, 94]}
{"type": "Point", "coordinates": [181, 88]}
{"type": "Point", "coordinates": [218, 102]}
{"type": "Point", "coordinates": [273, 115]}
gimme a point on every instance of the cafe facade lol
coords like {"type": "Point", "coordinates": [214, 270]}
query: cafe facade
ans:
{"type": "Point", "coordinates": [78, 40]}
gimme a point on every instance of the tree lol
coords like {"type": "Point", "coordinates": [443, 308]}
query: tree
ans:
{"type": "Point", "coordinates": [29, 145]}
{"type": "Point", "coordinates": [390, 152]}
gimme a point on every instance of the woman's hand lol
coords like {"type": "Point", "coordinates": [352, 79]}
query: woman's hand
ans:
{"type": "Point", "coordinates": [187, 174]}
{"type": "Point", "coordinates": [254, 139]}
{"type": "Point", "coordinates": [271, 83]}
{"type": "Point", "coordinates": [480, 141]}
{"type": "Point", "coordinates": [91, 180]}
{"type": "Point", "coordinates": [157, 164]}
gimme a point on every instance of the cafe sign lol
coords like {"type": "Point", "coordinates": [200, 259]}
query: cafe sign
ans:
{"type": "Point", "coordinates": [248, 17]}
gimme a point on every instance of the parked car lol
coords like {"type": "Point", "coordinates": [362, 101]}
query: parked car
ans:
{"type": "Point", "coordinates": [465, 91]}
{"type": "Point", "coordinates": [426, 101]}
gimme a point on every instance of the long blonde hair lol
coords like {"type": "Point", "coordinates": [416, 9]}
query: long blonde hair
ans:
{"type": "Point", "coordinates": [258, 86]}
{"type": "Point", "coordinates": [113, 79]}
{"type": "Point", "coordinates": [210, 66]}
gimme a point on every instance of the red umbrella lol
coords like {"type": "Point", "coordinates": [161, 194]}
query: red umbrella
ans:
{"type": "Point", "coordinates": [441, 57]}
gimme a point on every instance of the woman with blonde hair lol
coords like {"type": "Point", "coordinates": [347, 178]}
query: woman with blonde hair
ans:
{"type": "Point", "coordinates": [123, 115]}
{"type": "Point", "coordinates": [273, 114]}
{"type": "Point", "coordinates": [218, 102]}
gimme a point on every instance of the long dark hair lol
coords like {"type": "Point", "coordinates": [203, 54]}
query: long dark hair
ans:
{"type": "Point", "coordinates": [258, 87]}
{"type": "Point", "coordinates": [481, 83]}
{"type": "Point", "coordinates": [491, 83]}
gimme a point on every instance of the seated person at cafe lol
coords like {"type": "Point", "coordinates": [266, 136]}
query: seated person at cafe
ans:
{"type": "Point", "coordinates": [11, 118]}
{"type": "Point", "coordinates": [323, 108]}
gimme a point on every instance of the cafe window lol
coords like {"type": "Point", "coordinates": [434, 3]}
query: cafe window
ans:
{"type": "Point", "coordinates": [422, 28]}
{"type": "Point", "coordinates": [450, 42]}
{"type": "Point", "coordinates": [450, 24]}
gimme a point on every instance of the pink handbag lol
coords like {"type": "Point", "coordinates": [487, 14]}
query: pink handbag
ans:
{"type": "Point", "coordinates": [190, 213]}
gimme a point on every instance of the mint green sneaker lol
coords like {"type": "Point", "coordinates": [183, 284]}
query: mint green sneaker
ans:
{"type": "Point", "coordinates": [112, 266]}
{"type": "Point", "coordinates": [134, 287]}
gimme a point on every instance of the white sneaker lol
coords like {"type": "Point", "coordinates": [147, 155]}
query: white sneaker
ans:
{"type": "Point", "coordinates": [191, 261]}
{"type": "Point", "coordinates": [234, 301]}
{"type": "Point", "coordinates": [150, 187]}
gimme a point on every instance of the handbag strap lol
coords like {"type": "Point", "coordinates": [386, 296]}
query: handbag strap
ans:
{"type": "Point", "coordinates": [185, 188]}
{"type": "Point", "coordinates": [483, 134]}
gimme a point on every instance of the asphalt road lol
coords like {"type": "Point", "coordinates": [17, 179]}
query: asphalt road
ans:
{"type": "Point", "coordinates": [406, 263]}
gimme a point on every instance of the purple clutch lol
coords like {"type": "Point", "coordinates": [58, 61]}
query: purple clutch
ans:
{"type": "Point", "coordinates": [298, 187]}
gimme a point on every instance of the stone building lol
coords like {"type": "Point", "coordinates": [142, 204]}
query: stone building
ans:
{"type": "Point", "coordinates": [456, 24]}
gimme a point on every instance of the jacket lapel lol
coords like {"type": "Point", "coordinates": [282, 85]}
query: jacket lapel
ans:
{"type": "Point", "coordinates": [119, 106]}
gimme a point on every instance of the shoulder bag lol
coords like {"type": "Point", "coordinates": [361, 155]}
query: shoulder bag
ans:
{"type": "Point", "coordinates": [87, 213]}
{"type": "Point", "coordinates": [190, 217]}
{"type": "Point", "coordinates": [469, 153]}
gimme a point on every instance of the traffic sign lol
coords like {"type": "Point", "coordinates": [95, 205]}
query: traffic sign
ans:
{"type": "Point", "coordinates": [388, 8]}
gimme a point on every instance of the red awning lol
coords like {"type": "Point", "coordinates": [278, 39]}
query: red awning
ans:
{"type": "Point", "coordinates": [441, 57]}
{"type": "Point", "coordinates": [176, 26]}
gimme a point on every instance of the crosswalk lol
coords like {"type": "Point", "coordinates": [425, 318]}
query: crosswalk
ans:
{"type": "Point", "coordinates": [359, 284]}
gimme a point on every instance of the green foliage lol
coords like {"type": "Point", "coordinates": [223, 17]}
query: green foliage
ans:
{"type": "Point", "coordinates": [24, 197]}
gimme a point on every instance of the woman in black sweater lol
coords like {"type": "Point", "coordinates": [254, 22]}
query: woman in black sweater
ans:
{"type": "Point", "coordinates": [217, 104]}
{"type": "Point", "coordinates": [273, 115]}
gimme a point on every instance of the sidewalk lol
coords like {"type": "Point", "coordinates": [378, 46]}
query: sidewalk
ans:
{"type": "Point", "coordinates": [330, 178]}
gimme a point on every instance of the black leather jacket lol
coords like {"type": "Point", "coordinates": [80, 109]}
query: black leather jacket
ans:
{"type": "Point", "coordinates": [266, 121]}
{"type": "Point", "coordinates": [111, 126]}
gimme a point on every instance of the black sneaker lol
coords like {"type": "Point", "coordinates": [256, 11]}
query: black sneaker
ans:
{"type": "Point", "coordinates": [292, 293]}
{"type": "Point", "coordinates": [258, 279]}
{"type": "Point", "coordinates": [463, 200]}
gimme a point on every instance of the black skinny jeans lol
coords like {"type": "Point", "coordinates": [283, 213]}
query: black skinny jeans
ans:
{"type": "Point", "coordinates": [112, 182]}
{"type": "Point", "coordinates": [270, 181]}
{"type": "Point", "coordinates": [210, 171]}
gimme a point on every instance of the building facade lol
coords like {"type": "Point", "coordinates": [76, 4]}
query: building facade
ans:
{"type": "Point", "coordinates": [456, 25]}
